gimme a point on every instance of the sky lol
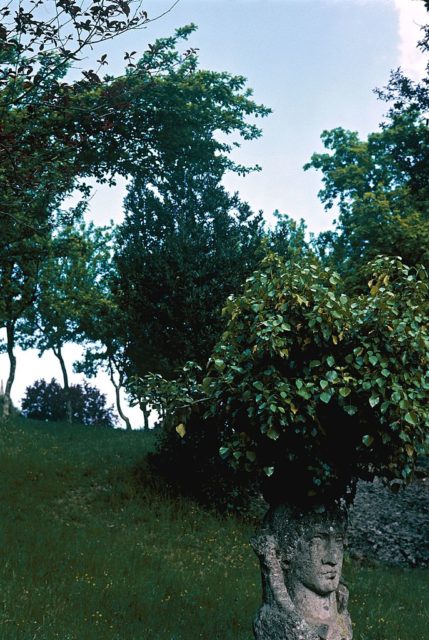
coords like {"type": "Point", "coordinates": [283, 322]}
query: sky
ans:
{"type": "Point", "coordinates": [315, 63]}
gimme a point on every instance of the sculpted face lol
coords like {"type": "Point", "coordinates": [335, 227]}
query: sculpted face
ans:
{"type": "Point", "coordinates": [318, 560]}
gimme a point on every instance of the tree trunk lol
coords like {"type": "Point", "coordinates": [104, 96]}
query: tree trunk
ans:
{"type": "Point", "coordinates": [66, 386]}
{"type": "Point", "coordinates": [146, 415]}
{"type": "Point", "coordinates": [7, 402]}
{"type": "Point", "coordinates": [118, 386]}
{"type": "Point", "coordinates": [301, 554]}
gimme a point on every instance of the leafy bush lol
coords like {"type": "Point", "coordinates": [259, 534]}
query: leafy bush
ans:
{"type": "Point", "coordinates": [318, 388]}
{"type": "Point", "coordinates": [313, 388]}
{"type": "Point", "coordinates": [48, 401]}
{"type": "Point", "coordinates": [187, 457]}
{"type": "Point", "coordinates": [191, 465]}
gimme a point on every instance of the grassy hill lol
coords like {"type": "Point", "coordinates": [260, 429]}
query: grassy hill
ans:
{"type": "Point", "coordinates": [93, 548]}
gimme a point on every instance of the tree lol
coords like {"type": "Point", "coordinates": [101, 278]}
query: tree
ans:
{"type": "Point", "coordinates": [185, 243]}
{"type": "Point", "coordinates": [43, 144]}
{"type": "Point", "coordinates": [380, 185]}
{"type": "Point", "coordinates": [316, 388]}
{"type": "Point", "coordinates": [66, 293]}
{"type": "Point", "coordinates": [106, 351]}
{"type": "Point", "coordinates": [319, 386]}
{"type": "Point", "coordinates": [43, 136]}
{"type": "Point", "coordinates": [180, 252]}
{"type": "Point", "coordinates": [54, 134]}
{"type": "Point", "coordinates": [381, 190]}
{"type": "Point", "coordinates": [102, 331]}
{"type": "Point", "coordinates": [39, 38]}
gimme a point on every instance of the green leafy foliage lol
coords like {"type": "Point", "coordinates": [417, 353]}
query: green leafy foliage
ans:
{"type": "Point", "coordinates": [68, 288]}
{"type": "Point", "coordinates": [315, 388]}
{"type": "Point", "coordinates": [48, 401]}
{"type": "Point", "coordinates": [185, 243]}
{"type": "Point", "coordinates": [57, 133]}
{"type": "Point", "coordinates": [379, 185]}
{"type": "Point", "coordinates": [179, 254]}
{"type": "Point", "coordinates": [380, 188]}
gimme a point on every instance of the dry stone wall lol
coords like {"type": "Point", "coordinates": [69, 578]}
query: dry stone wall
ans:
{"type": "Point", "coordinates": [388, 527]}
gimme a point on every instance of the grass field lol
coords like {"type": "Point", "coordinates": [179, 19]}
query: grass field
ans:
{"type": "Point", "coordinates": [93, 548]}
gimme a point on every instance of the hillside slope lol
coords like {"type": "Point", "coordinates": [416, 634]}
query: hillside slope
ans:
{"type": "Point", "coordinates": [93, 548]}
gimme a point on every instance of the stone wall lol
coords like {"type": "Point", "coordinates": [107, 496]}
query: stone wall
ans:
{"type": "Point", "coordinates": [389, 527]}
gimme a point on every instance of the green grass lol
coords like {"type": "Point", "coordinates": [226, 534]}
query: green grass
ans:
{"type": "Point", "coordinates": [93, 548]}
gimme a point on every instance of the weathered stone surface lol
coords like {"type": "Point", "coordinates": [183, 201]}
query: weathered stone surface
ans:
{"type": "Point", "coordinates": [301, 556]}
{"type": "Point", "coordinates": [391, 527]}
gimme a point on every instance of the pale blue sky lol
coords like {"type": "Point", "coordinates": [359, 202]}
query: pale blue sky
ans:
{"type": "Point", "coordinates": [314, 62]}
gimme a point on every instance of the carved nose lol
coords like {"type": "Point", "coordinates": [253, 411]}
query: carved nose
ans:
{"type": "Point", "coordinates": [332, 553]}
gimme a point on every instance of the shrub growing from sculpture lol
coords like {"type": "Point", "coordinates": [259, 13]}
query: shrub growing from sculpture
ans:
{"type": "Point", "coordinates": [314, 390]}
{"type": "Point", "coordinates": [317, 388]}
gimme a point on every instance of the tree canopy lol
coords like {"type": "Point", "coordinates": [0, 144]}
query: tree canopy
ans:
{"type": "Point", "coordinates": [56, 133]}
{"type": "Point", "coordinates": [315, 388]}
{"type": "Point", "coordinates": [185, 243]}
{"type": "Point", "coordinates": [380, 187]}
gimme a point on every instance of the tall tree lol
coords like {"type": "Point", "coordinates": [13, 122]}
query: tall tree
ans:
{"type": "Point", "coordinates": [186, 244]}
{"type": "Point", "coordinates": [102, 335]}
{"type": "Point", "coordinates": [42, 130]}
{"type": "Point", "coordinates": [181, 251]}
{"type": "Point", "coordinates": [66, 293]}
{"type": "Point", "coordinates": [54, 133]}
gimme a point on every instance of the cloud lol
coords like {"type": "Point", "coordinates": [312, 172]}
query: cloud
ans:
{"type": "Point", "coordinates": [411, 16]}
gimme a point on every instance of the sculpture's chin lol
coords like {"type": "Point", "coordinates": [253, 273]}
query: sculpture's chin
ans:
{"type": "Point", "coordinates": [327, 585]}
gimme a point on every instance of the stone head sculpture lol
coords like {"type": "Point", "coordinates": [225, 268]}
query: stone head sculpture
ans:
{"type": "Point", "coordinates": [301, 555]}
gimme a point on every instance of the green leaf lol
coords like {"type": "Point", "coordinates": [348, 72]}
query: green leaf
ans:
{"type": "Point", "coordinates": [330, 360]}
{"type": "Point", "coordinates": [410, 418]}
{"type": "Point", "coordinates": [224, 452]}
{"type": "Point", "coordinates": [181, 430]}
{"type": "Point", "coordinates": [374, 400]}
{"type": "Point", "coordinates": [410, 450]}
{"type": "Point", "coordinates": [332, 376]}
{"type": "Point", "coordinates": [350, 409]}
{"type": "Point", "coordinates": [324, 384]}
{"type": "Point", "coordinates": [325, 397]}
{"type": "Point", "coordinates": [269, 471]}
{"type": "Point", "coordinates": [344, 392]}
{"type": "Point", "coordinates": [272, 434]}
{"type": "Point", "coordinates": [367, 440]}
{"type": "Point", "coordinates": [373, 360]}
